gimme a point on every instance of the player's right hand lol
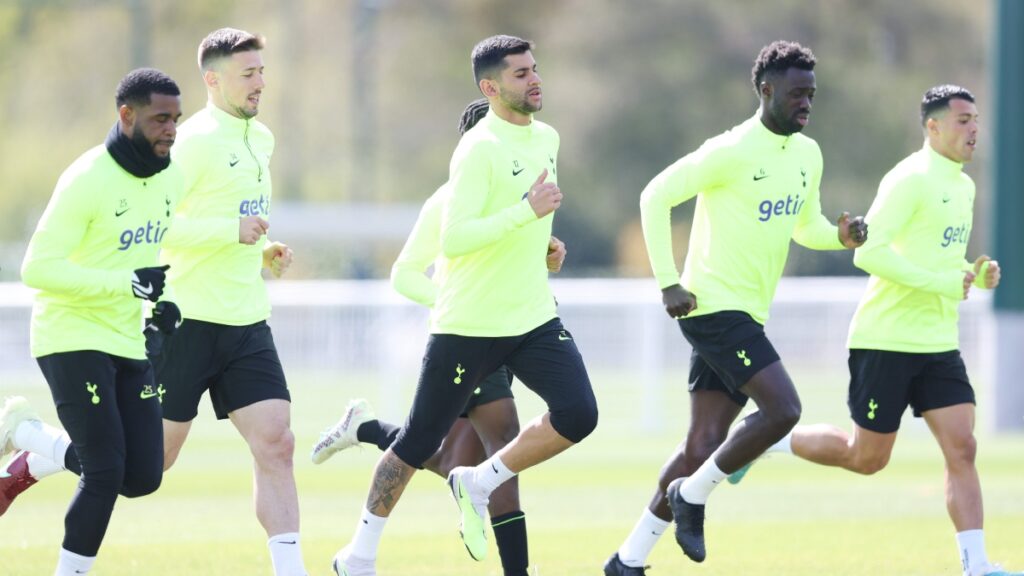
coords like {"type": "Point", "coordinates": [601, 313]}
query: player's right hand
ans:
{"type": "Point", "coordinates": [544, 197]}
{"type": "Point", "coordinates": [148, 283]}
{"type": "Point", "coordinates": [251, 229]}
{"type": "Point", "coordinates": [678, 302]}
{"type": "Point", "coordinates": [968, 282]}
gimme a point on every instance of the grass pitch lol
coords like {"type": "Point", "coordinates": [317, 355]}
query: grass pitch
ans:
{"type": "Point", "coordinates": [788, 517]}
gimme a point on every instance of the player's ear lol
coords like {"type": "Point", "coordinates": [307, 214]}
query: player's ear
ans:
{"type": "Point", "coordinates": [488, 87]}
{"type": "Point", "coordinates": [127, 116]}
{"type": "Point", "coordinates": [210, 78]}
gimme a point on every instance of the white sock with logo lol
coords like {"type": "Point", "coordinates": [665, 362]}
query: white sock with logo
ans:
{"type": "Point", "coordinates": [71, 564]}
{"type": "Point", "coordinates": [367, 538]}
{"type": "Point", "coordinates": [697, 488]}
{"type": "Point", "coordinates": [42, 439]}
{"type": "Point", "coordinates": [286, 554]}
{"type": "Point", "coordinates": [971, 544]}
{"type": "Point", "coordinates": [491, 473]}
{"type": "Point", "coordinates": [637, 547]}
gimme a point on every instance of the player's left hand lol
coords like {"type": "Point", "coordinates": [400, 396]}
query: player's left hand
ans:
{"type": "Point", "coordinates": [556, 254]}
{"type": "Point", "coordinates": [165, 321]}
{"type": "Point", "coordinates": [166, 317]}
{"type": "Point", "coordinates": [992, 273]}
{"type": "Point", "coordinates": [853, 232]}
{"type": "Point", "coordinates": [277, 257]}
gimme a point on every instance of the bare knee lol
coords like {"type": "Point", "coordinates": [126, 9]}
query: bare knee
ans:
{"type": "Point", "coordinates": [175, 434]}
{"type": "Point", "coordinates": [274, 448]}
{"type": "Point", "coordinates": [868, 465]}
{"type": "Point", "coordinates": [781, 418]}
{"type": "Point", "coordinates": [867, 458]}
{"type": "Point", "coordinates": [962, 451]}
{"type": "Point", "coordinates": [507, 434]}
{"type": "Point", "coordinates": [698, 448]}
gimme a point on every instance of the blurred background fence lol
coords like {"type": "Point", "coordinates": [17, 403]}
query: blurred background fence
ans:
{"type": "Point", "coordinates": [362, 330]}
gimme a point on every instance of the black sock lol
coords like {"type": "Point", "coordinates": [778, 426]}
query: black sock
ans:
{"type": "Point", "coordinates": [382, 434]}
{"type": "Point", "coordinates": [71, 461]}
{"type": "Point", "coordinates": [510, 535]}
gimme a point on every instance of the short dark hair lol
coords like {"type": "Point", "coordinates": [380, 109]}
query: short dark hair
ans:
{"type": "Point", "coordinates": [489, 54]}
{"type": "Point", "coordinates": [474, 111]}
{"type": "Point", "coordinates": [225, 42]}
{"type": "Point", "coordinates": [137, 86]}
{"type": "Point", "coordinates": [780, 56]}
{"type": "Point", "coordinates": [937, 98]}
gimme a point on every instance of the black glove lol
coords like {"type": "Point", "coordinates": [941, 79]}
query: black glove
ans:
{"type": "Point", "coordinates": [148, 283]}
{"type": "Point", "coordinates": [165, 320]}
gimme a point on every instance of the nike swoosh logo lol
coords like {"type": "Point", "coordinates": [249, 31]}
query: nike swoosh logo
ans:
{"type": "Point", "coordinates": [146, 290]}
{"type": "Point", "coordinates": [147, 396]}
{"type": "Point", "coordinates": [561, 337]}
{"type": "Point", "coordinates": [232, 164]}
{"type": "Point", "coordinates": [495, 468]}
{"type": "Point", "coordinates": [292, 542]}
{"type": "Point", "coordinates": [944, 200]}
{"type": "Point", "coordinates": [762, 177]}
{"type": "Point", "coordinates": [118, 214]}
{"type": "Point", "coordinates": [518, 172]}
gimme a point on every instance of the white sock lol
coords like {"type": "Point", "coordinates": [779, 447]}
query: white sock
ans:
{"type": "Point", "coordinates": [367, 538]}
{"type": "Point", "coordinates": [637, 547]}
{"type": "Point", "coordinates": [40, 467]}
{"type": "Point", "coordinates": [42, 439]}
{"type": "Point", "coordinates": [972, 550]}
{"type": "Point", "coordinates": [784, 446]}
{"type": "Point", "coordinates": [71, 564]}
{"type": "Point", "coordinates": [697, 488]}
{"type": "Point", "coordinates": [286, 554]}
{"type": "Point", "coordinates": [491, 473]}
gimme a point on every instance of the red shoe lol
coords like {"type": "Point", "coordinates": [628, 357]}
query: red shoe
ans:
{"type": "Point", "coordinates": [14, 479]}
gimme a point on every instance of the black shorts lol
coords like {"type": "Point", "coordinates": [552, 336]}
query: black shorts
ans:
{"type": "Point", "coordinates": [237, 364]}
{"type": "Point", "coordinates": [110, 407]}
{"type": "Point", "coordinates": [883, 383]}
{"type": "Point", "coordinates": [545, 360]}
{"type": "Point", "coordinates": [729, 348]}
{"type": "Point", "coordinates": [495, 387]}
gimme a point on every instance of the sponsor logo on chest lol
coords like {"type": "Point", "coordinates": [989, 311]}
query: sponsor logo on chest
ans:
{"type": "Point", "coordinates": [255, 206]}
{"type": "Point", "coordinates": [152, 232]}
{"type": "Point", "coordinates": [790, 205]}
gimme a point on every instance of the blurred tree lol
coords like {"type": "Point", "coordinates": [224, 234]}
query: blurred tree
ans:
{"type": "Point", "coordinates": [363, 97]}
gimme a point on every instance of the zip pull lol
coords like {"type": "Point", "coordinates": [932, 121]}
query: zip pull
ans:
{"type": "Point", "coordinates": [259, 167]}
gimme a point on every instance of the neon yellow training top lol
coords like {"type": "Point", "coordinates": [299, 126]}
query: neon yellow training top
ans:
{"type": "Point", "coordinates": [422, 248]}
{"type": "Point", "coordinates": [496, 278]}
{"type": "Point", "coordinates": [101, 224]}
{"type": "Point", "coordinates": [226, 162]}
{"type": "Point", "coordinates": [919, 225]}
{"type": "Point", "coordinates": [755, 191]}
